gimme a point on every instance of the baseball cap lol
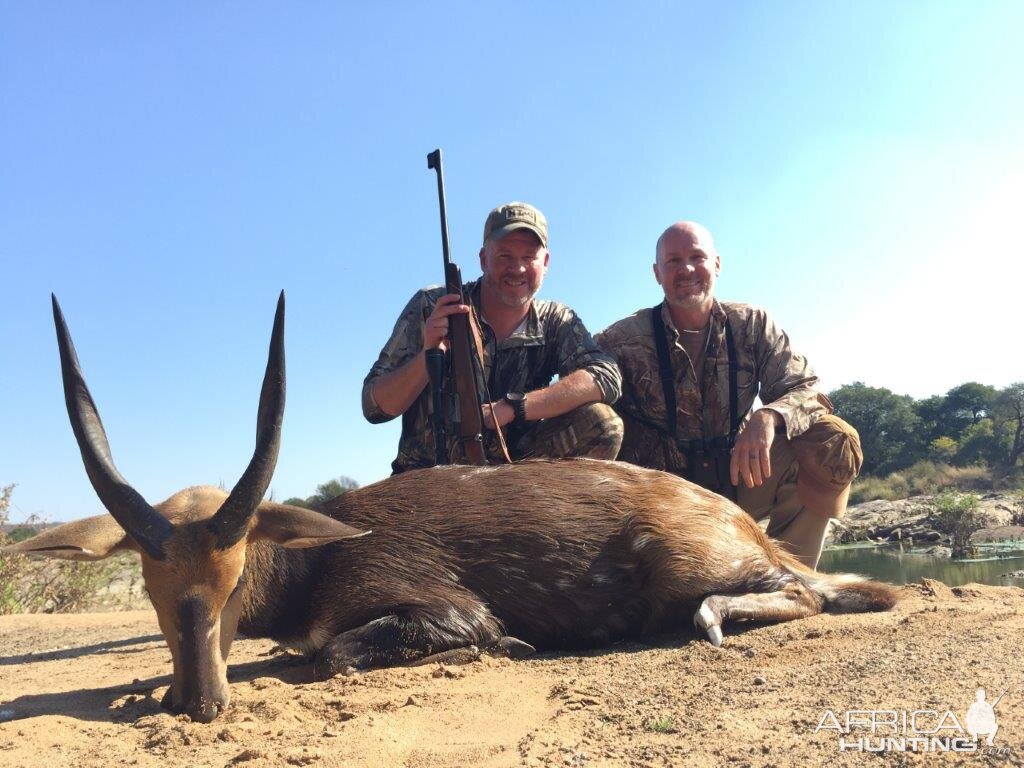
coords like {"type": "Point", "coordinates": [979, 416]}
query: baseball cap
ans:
{"type": "Point", "coordinates": [514, 215]}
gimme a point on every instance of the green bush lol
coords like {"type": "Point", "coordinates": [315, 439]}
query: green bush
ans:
{"type": "Point", "coordinates": [37, 585]}
{"type": "Point", "coordinates": [874, 489]}
{"type": "Point", "coordinates": [923, 478]}
{"type": "Point", "coordinates": [956, 515]}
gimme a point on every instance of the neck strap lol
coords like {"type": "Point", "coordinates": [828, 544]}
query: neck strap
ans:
{"type": "Point", "coordinates": [668, 376]}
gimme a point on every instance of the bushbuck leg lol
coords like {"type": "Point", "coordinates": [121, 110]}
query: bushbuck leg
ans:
{"type": "Point", "coordinates": [408, 634]}
{"type": "Point", "coordinates": [793, 601]}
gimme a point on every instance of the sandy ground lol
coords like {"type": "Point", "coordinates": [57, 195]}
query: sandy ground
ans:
{"type": "Point", "coordinates": [82, 690]}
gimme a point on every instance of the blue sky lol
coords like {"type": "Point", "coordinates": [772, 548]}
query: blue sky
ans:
{"type": "Point", "coordinates": [166, 169]}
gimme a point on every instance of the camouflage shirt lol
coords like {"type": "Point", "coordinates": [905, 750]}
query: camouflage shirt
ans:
{"type": "Point", "coordinates": [768, 367]}
{"type": "Point", "coordinates": [552, 340]}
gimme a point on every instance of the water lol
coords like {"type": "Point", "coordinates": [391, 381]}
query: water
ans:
{"type": "Point", "coordinates": [898, 566]}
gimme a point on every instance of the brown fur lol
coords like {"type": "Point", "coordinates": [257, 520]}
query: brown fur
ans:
{"type": "Point", "coordinates": [560, 554]}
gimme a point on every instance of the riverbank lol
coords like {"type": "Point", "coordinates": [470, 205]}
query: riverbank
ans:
{"type": "Point", "coordinates": [914, 522]}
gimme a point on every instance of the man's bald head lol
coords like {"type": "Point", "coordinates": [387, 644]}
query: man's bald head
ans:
{"type": "Point", "coordinates": [686, 234]}
{"type": "Point", "coordinates": [686, 266]}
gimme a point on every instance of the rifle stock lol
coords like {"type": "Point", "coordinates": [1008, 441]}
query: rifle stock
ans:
{"type": "Point", "coordinates": [460, 344]}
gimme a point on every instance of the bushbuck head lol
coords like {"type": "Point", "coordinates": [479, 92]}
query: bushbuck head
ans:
{"type": "Point", "coordinates": [193, 546]}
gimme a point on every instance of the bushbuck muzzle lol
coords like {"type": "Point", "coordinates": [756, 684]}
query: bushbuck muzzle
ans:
{"type": "Point", "coordinates": [537, 555]}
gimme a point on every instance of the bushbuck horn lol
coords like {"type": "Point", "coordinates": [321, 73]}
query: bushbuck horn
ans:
{"type": "Point", "coordinates": [133, 513]}
{"type": "Point", "coordinates": [232, 519]}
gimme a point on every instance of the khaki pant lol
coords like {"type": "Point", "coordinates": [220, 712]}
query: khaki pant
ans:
{"type": "Point", "coordinates": [593, 431]}
{"type": "Point", "coordinates": [798, 515]}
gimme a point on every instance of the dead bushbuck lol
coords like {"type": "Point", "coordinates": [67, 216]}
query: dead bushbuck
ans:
{"type": "Point", "coordinates": [538, 555]}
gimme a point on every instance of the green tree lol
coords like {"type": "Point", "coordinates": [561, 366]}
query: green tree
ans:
{"type": "Point", "coordinates": [324, 493]}
{"type": "Point", "coordinates": [971, 402]}
{"type": "Point", "coordinates": [890, 429]}
{"type": "Point", "coordinates": [1008, 415]}
{"type": "Point", "coordinates": [978, 444]}
{"type": "Point", "coordinates": [943, 448]}
{"type": "Point", "coordinates": [950, 414]}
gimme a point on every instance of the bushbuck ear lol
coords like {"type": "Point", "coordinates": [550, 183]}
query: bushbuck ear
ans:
{"type": "Point", "coordinates": [298, 528]}
{"type": "Point", "coordinates": [92, 538]}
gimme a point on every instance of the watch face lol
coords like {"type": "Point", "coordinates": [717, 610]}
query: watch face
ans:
{"type": "Point", "coordinates": [514, 397]}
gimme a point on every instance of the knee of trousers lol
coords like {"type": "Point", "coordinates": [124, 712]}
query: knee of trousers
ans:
{"type": "Point", "coordinates": [597, 430]}
{"type": "Point", "coordinates": [829, 452]}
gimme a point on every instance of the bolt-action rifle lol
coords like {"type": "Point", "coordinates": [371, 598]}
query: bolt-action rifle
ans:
{"type": "Point", "coordinates": [470, 425]}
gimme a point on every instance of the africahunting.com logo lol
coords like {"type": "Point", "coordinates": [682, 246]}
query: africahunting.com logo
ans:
{"type": "Point", "coordinates": [919, 730]}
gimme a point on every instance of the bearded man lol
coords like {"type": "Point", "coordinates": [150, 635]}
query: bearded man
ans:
{"type": "Point", "coordinates": [526, 343]}
{"type": "Point", "coordinates": [692, 367]}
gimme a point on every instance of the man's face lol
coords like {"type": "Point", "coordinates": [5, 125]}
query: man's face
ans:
{"type": "Point", "coordinates": [514, 267]}
{"type": "Point", "coordinates": [687, 266]}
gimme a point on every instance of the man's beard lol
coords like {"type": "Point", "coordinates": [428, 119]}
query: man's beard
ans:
{"type": "Point", "coordinates": [510, 299]}
{"type": "Point", "coordinates": [692, 300]}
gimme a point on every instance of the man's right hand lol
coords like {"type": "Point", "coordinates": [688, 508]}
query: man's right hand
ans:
{"type": "Point", "coordinates": [435, 328]}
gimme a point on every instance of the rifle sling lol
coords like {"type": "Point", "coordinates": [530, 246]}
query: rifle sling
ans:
{"type": "Point", "coordinates": [478, 349]}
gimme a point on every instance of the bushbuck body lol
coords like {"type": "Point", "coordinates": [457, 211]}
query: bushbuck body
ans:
{"type": "Point", "coordinates": [542, 554]}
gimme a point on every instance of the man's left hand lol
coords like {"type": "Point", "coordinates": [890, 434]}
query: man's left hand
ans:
{"type": "Point", "coordinates": [503, 412]}
{"type": "Point", "coordinates": [751, 460]}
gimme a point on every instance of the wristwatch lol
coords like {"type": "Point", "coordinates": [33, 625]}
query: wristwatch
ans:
{"type": "Point", "coordinates": [518, 402]}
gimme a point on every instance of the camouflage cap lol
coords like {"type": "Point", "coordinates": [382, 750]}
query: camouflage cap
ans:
{"type": "Point", "coordinates": [510, 216]}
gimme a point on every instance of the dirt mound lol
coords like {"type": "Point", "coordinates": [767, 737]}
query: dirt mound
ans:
{"type": "Point", "coordinates": [83, 690]}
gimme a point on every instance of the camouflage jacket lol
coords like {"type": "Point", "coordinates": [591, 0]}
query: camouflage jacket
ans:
{"type": "Point", "coordinates": [768, 367]}
{"type": "Point", "coordinates": [552, 340]}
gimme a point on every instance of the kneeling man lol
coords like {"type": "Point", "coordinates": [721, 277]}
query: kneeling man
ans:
{"type": "Point", "coordinates": [691, 368]}
{"type": "Point", "coordinates": [526, 342]}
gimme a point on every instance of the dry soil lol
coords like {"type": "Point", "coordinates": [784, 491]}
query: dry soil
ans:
{"type": "Point", "coordinates": [83, 690]}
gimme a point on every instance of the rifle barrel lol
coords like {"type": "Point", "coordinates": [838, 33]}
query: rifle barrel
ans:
{"type": "Point", "coordinates": [434, 161]}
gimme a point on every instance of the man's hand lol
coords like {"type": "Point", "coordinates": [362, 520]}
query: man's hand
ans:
{"type": "Point", "coordinates": [435, 328]}
{"type": "Point", "coordinates": [751, 460]}
{"type": "Point", "coordinates": [502, 411]}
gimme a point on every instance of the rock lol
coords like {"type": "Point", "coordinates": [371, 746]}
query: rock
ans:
{"type": "Point", "coordinates": [935, 588]}
{"type": "Point", "coordinates": [246, 755]}
{"type": "Point", "coordinates": [759, 680]}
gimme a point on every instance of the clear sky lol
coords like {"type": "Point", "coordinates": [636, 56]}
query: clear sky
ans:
{"type": "Point", "coordinates": [167, 168]}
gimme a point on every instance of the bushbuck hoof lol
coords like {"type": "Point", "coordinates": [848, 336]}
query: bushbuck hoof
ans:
{"type": "Point", "coordinates": [465, 655]}
{"type": "Point", "coordinates": [708, 619]}
{"type": "Point", "coordinates": [512, 647]}
{"type": "Point", "coordinates": [204, 712]}
{"type": "Point", "coordinates": [341, 656]}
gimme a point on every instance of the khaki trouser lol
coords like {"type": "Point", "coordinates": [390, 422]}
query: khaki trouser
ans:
{"type": "Point", "coordinates": [798, 516]}
{"type": "Point", "coordinates": [593, 431]}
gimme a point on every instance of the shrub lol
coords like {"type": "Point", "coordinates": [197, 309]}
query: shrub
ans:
{"type": "Point", "coordinates": [955, 514]}
{"type": "Point", "coordinates": [923, 478]}
{"type": "Point", "coordinates": [31, 585]}
{"type": "Point", "coordinates": [663, 724]}
{"type": "Point", "coordinates": [943, 448]}
{"type": "Point", "coordinates": [874, 489]}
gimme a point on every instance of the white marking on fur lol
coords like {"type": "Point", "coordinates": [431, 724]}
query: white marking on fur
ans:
{"type": "Point", "coordinates": [317, 639]}
{"type": "Point", "coordinates": [705, 616]}
{"type": "Point", "coordinates": [469, 473]}
{"type": "Point", "coordinates": [736, 563]}
{"type": "Point", "coordinates": [707, 619]}
{"type": "Point", "coordinates": [641, 541]}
